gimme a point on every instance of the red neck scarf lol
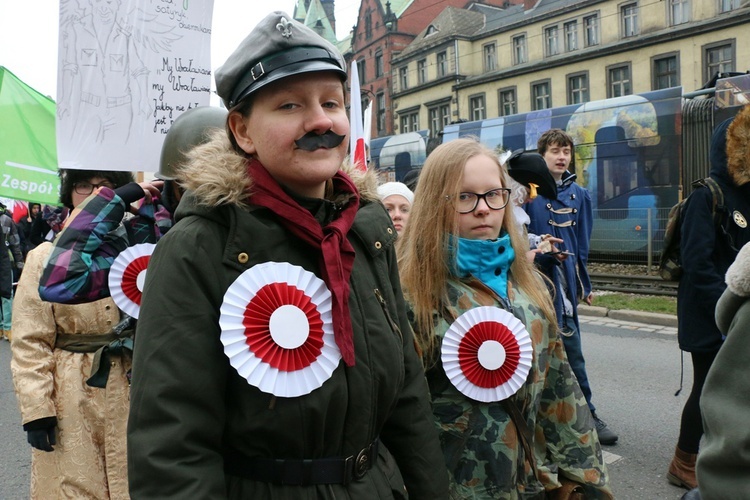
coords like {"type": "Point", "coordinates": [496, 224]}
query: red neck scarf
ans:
{"type": "Point", "coordinates": [337, 254]}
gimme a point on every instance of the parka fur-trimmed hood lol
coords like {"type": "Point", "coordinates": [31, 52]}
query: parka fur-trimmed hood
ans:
{"type": "Point", "coordinates": [738, 275]}
{"type": "Point", "coordinates": [738, 147]}
{"type": "Point", "coordinates": [216, 175]}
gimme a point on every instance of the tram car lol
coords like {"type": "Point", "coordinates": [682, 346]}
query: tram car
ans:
{"type": "Point", "coordinates": [638, 154]}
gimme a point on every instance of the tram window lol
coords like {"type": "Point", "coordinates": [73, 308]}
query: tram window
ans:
{"type": "Point", "coordinates": [618, 176]}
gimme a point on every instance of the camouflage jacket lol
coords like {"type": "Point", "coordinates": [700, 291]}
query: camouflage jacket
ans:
{"type": "Point", "coordinates": [480, 443]}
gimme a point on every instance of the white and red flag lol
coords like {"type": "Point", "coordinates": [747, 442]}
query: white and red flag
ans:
{"type": "Point", "coordinates": [356, 119]}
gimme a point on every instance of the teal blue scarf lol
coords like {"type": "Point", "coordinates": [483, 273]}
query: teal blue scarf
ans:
{"type": "Point", "coordinates": [486, 260]}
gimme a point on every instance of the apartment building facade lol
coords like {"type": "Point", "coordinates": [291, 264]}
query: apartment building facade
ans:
{"type": "Point", "coordinates": [483, 62]}
{"type": "Point", "coordinates": [384, 29]}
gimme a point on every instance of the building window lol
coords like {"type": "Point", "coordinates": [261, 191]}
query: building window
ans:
{"type": "Point", "coordinates": [629, 17]}
{"type": "Point", "coordinates": [442, 64]}
{"type": "Point", "coordinates": [403, 77]}
{"type": "Point", "coordinates": [727, 5]}
{"type": "Point", "coordinates": [506, 99]}
{"type": "Point", "coordinates": [665, 71]}
{"type": "Point", "coordinates": [718, 58]}
{"type": "Point", "coordinates": [578, 88]}
{"type": "Point", "coordinates": [591, 27]}
{"type": "Point", "coordinates": [421, 71]}
{"type": "Point", "coordinates": [618, 81]}
{"type": "Point", "coordinates": [476, 107]}
{"type": "Point", "coordinates": [381, 112]}
{"type": "Point", "coordinates": [361, 70]}
{"type": "Point", "coordinates": [551, 46]}
{"type": "Point", "coordinates": [541, 95]}
{"type": "Point", "coordinates": [410, 122]}
{"type": "Point", "coordinates": [571, 36]}
{"type": "Point", "coordinates": [490, 57]}
{"type": "Point", "coordinates": [439, 118]}
{"type": "Point", "coordinates": [679, 11]}
{"type": "Point", "coordinates": [519, 49]}
{"type": "Point", "coordinates": [378, 64]}
{"type": "Point", "coordinates": [368, 24]}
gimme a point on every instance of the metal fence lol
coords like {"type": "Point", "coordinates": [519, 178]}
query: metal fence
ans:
{"type": "Point", "coordinates": [628, 236]}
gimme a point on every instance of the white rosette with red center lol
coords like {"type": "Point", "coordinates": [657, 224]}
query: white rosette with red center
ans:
{"type": "Point", "coordinates": [486, 354]}
{"type": "Point", "coordinates": [277, 329]}
{"type": "Point", "coordinates": [127, 276]}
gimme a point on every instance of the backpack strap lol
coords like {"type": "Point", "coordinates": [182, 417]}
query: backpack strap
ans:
{"type": "Point", "coordinates": [718, 198]}
{"type": "Point", "coordinates": [719, 209]}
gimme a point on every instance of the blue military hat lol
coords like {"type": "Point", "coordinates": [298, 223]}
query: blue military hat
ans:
{"type": "Point", "coordinates": [531, 168]}
{"type": "Point", "coordinates": [277, 47]}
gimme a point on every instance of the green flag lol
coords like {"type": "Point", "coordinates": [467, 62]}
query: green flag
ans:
{"type": "Point", "coordinates": [28, 156]}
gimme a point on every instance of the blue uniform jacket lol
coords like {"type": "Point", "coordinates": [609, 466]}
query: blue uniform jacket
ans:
{"type": "Point", "coordinates": [570, 219]}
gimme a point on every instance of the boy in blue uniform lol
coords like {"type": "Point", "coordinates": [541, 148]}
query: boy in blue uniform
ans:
{"type": "Point", "coordinates": [569, 218]}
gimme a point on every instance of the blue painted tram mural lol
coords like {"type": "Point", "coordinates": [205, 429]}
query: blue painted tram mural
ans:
{"type": "Point", "coordinates": [636, 154]}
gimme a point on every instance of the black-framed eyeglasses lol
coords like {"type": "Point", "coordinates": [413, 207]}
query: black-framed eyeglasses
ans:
{"type": "Point", "coordinates": [496, 199]}
{"type": "Point", "coordinates": [86, 188]}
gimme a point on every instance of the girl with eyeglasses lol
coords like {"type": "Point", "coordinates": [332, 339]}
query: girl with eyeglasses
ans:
{"type": "Point", "coordinates": [77, 431]}
{"type": "Point", "coordinates": [512, 420]}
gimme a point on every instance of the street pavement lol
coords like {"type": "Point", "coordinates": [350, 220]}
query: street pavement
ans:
{"type": "Point", "coordinates": [634, 368]}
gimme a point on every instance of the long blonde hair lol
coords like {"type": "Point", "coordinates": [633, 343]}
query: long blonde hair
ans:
{"type": "Point", "coordinates": [423, 254]}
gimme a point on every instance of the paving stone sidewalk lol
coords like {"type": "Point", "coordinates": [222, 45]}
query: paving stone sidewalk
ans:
{"type": "Point", "coordinates": [631, 320]}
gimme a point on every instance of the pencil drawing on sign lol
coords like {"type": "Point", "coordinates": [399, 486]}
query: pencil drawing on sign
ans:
{"type": "Point", "coordinates": [104, 80]}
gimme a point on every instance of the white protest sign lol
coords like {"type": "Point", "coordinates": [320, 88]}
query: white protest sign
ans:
{"type": "Point", "coordinates": [127, 69]}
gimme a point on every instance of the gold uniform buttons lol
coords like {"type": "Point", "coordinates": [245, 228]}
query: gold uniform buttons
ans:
{"type": "Point", "coordinates": [242, 258]}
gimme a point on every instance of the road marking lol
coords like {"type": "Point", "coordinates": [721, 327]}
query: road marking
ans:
{"type": "Point", "coordinates": [610, 458]}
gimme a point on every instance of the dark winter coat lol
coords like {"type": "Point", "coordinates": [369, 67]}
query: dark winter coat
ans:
{"type": "Point", "coordinates": [189, 405]}
{"type": "Point", "coordinates": [6, 273]}
{"type": "Point", "coordinates": [706, 250]}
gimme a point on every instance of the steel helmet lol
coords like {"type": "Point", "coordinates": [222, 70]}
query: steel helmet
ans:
{"type": "Point", "coordinates": [190, 129]}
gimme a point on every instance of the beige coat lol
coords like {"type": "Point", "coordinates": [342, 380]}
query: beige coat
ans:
{"type": "Point", "coordinates": [90, 459]}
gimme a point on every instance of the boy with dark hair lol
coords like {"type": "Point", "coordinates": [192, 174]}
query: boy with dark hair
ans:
{"type": "Point", "coordinates": [569, 217]}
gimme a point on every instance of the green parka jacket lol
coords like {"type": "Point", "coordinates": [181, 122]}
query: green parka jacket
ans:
{"type": "Point", "coordinates": [189, 405]}
{"type": "Point", "coordinates": [723, 466]}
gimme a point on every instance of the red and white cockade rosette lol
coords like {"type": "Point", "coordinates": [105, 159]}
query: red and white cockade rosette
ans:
{"type": "Point", "coordinates": [127, 276]}
{"type": "Point", "coordinates": [486, 354]}
{"type": "Point", "coordinates": [277, 329]}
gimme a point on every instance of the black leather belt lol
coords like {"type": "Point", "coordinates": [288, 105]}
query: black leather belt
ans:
{"type": "Point", "coordinates": [302, 472]}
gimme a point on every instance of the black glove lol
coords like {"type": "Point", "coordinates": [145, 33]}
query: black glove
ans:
{"type": "Point", "coordinates": [41, 433]}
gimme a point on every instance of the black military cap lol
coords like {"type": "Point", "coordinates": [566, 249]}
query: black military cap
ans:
{"type": "Point", "coordinates": [530, 168]}
{"type": "Point", "coordinates": [277, 47]}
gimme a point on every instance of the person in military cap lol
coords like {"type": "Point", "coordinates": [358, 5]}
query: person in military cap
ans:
{"type": "Point", "coordinates": [287, 368]}
{"type": "Point", "coordinates": [106, 223]}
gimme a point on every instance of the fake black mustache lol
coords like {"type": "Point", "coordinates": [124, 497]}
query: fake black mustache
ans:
{"type": "Point", "coordinates": [312, 141]}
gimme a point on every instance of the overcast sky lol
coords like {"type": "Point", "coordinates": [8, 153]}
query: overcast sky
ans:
{"type": "Point", "coordinates": [29, 30]}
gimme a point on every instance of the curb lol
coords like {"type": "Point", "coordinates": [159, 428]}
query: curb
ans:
{"type": "Point", "coordinates": [627, 315]}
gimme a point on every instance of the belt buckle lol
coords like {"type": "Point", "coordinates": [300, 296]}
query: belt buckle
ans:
{"type": "Point", "coordinates": [361, 463]}
{"type": "Point", "coordinates": [259, 68]}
